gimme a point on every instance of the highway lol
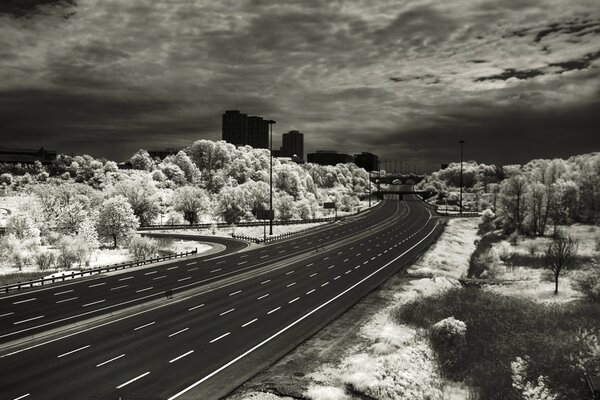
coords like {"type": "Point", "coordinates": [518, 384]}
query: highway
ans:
{"type": "Point", "coordinates": [202, 344]}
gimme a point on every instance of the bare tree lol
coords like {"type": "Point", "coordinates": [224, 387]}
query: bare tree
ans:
{"type": "Point", "coordinates": [513, 202]}
{"type": "Point", "coordinates": [560, 254]}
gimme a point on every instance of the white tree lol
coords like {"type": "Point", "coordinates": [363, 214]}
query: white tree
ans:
{"type": "Point", "coordinates": [191, 201]}
{"type": "Point", "coordinates": [142, 196]}
{"type": "Point", "coordinates": [141, 160]}
{"type": "Point", "coordinates": [116, 219]}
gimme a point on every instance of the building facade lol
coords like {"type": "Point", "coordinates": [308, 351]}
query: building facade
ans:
{"type": "Point", "coordinates": [366, 160]}
{"type": "Point", "coordinates": [235, 127]}
{"type": "Point", "coordinates": [258, 133]}
{"type": "Point", "coordinates": [329, 157]}
{"type": "Point", "coordinates": [293, 145]}
{"type": "Point", "coordinates": [26, 156]}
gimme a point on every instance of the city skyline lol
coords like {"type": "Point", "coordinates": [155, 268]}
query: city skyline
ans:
{"type": "Point", "coordinates": [404, 80]}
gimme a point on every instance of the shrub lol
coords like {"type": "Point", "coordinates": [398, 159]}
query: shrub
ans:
{"type": "Point", "coordinates": [143, 247]}
{"type": "Point", "coordinates": [489, 262]}
{"type": "Point", "coordinates": [448, 338]}
{"type": "Point", "coordinates": [531, 248]}
{"type": "Point", "coordinates": [165, 243]}
{"type": "Point", "coordinates": [588, 281]}
{"type": "Point", "coordinates": [325, 393]}
{"type": "Point", "coordinates": [44, 259]}
{"type": "Point", "coordinates": [73, 250]}
{"type": "Point", "coordinates": [513, 238]}
{"type": "Point", "coordinates": [6, 178]}
{"type": "Point", "coordinates": [487, 221]}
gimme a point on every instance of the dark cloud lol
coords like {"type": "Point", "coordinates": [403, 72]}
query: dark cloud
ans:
{"type": "Point", "coordinates": [512, 73]}
{"type": "Point", "coordinates": [577, 64]}
{"type": "Point", "coordinates": [28, 8]}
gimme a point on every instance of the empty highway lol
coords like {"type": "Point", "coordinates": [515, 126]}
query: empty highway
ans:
{"type": "Point", "coordinates": [246, 310]}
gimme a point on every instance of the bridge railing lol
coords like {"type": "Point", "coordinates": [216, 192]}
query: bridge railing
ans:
{"type": "Point", "coordinates": [100, 270]}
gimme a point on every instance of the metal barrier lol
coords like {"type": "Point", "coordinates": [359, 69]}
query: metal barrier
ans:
{"type": "Point", "coordinates": [108, 268]}
{"type": "Point", "coordinates": [274, 238]}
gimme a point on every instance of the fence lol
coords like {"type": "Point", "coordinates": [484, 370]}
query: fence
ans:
{"type": "Point", "coordinates": [108, 268]}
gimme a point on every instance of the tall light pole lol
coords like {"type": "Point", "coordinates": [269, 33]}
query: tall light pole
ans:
{"type": "Point", "coordinates": [272, 214]}
{"type": "Point", "coordinates": [369, 183]}
{"type": "Point", "coordinates": [461, 175]}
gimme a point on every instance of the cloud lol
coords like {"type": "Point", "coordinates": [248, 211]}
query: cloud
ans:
{"type": "Point", "coordinates": [109, 76]}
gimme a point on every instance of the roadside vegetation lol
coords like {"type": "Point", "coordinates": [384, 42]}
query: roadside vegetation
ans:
{"type": "Point", "coordinates": [80, 212]}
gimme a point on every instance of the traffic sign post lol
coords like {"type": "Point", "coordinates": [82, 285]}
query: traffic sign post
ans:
{"type": "Point", "coordinates": [330, 205]}
{"type": "Point", "coordinates": [266, 215]}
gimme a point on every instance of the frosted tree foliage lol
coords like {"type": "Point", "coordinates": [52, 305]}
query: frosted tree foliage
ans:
{"type": "Point", "coordinates": [116, 219]}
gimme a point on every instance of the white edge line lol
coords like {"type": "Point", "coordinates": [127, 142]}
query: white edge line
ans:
{"type": "Point", "coordinates": [22, 397]}
{"type": "Point", "coordinates": [296, 322]}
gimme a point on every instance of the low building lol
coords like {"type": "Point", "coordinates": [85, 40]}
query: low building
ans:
{"type": "Point", "coordinates": [26, 156]}
{"type": "Point", "coordinates": [328, 157]}
{"type": "Point", "coordinates": [162, 154]}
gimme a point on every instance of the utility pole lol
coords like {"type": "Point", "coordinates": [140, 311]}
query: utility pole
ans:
{"type": "Point", "coordinates": [461, 176]}
{"type": "Point", "coordinates": [369, 183]}
{"type": "Point", "coordinates": [272, 214]}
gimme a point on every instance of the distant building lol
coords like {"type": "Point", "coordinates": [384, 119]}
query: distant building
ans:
{"type": "Point", "coordinates": [258, 133]}
{"type": "Point", "coordinates": [162, 154]}
{"type": "Point", "coordinates": [366, 160]}
{"type": "Point", "coordinates": [293, 145]}
{"type": "Point", "coordinates": [26, 156]}
{"type": "Point", "coordinates": [444, 166]}
{"type": "Point", "coordinates": [235, 127]}
{"type": "Point", "coordinates": [328, 157]}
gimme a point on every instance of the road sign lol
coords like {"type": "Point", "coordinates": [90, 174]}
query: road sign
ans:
{"type": "Point", "coordinates": [265, 214]}
{"type": "Point", "coordinates": [329, 205]}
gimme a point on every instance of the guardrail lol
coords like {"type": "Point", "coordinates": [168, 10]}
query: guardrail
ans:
{"type": "Point", "coordinates": [277, 237]}
{"type": "Point", "coordinates": [239, 224]}
{"type": "Point", "coordinates": [107, 268]}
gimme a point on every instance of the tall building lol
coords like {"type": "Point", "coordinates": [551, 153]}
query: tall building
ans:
{"type": "Point", "coordinates": [235, 127]}
{"type": "Point", "coordinates": [258, 133]}
{"type": "Point", "coordinates": [293, 144]}
{"type": "Point", "coordinates": [328, 157]}
{"type": "Point", "coordinates": [366, 160]}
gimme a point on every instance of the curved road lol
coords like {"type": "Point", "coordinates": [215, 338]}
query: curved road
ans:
{"type": "Point", "coordinates": [204, 344]}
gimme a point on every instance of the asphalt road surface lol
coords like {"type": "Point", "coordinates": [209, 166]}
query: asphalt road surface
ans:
{"type": "Point", "coordinates": [255, 308]}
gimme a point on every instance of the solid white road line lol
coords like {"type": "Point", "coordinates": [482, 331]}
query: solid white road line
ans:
{"type": "Point", "coordinates": [65, 300]}
{"type": "Point", "coordinates": [97, 284]}
{"type": "Point", "coordinates": [293, 300]}
{"type": "Point", "coordinates": [181, 356]}
{"type": "Point", "coordinates": [143, 290]}
{"type": "Point", "coordinates": [119, 287]}
{"type": "Point", "coordinates": [24, 301]}
{"type": "Point", "coordinates": [198, 306]}
{"type": "Point", "coordinates": [27, 320]}
{"type": "Point", "coordinates": [93, 303]}
{"type": "Point", "coordinates": [262, 297]}
{"type": "Point", "coordinates": [73, 351]}
{"type": "Point", "coordinates": [227, 312]}
{"type": "Point", "coordinates": [111, 360]}
{"type": "Point", "coordinates": [133, 380]}
{"type": "Point", "coordinates": [63, 292]}
{"type": "Point", "coordinates": [21, 397]}
{"type": "Point", "coordinates": [249, 322]}
{"type": "Point", "coordinates": [178, 332]}
{"type": "Point", "coordinates": [234, 293]}
{"type": "Point", "coordinates": [7, 314]}
{"type": "Point", "coordinates": [144, 326]}
{"type": "Point", "coordinates": [273, 310]}
{"type": "Point", "coordinates": [220, 337]}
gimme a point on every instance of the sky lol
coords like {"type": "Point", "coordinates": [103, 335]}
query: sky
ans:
{"type": "Point", "coordinates": [515, 79]}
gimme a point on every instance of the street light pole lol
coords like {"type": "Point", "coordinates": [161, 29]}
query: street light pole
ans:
{"type": "Point", "coordinates": [461, 177]}
{"type": "Point", "coordinates": [271, 122]}
{"type": "Point", "coordinates": [369, 183]}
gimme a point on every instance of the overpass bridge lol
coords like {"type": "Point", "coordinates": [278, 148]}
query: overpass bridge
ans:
{"type": "Point", "coordinates": [401, 193]}
{"type": "Point", "coordinates": [404, 179]}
